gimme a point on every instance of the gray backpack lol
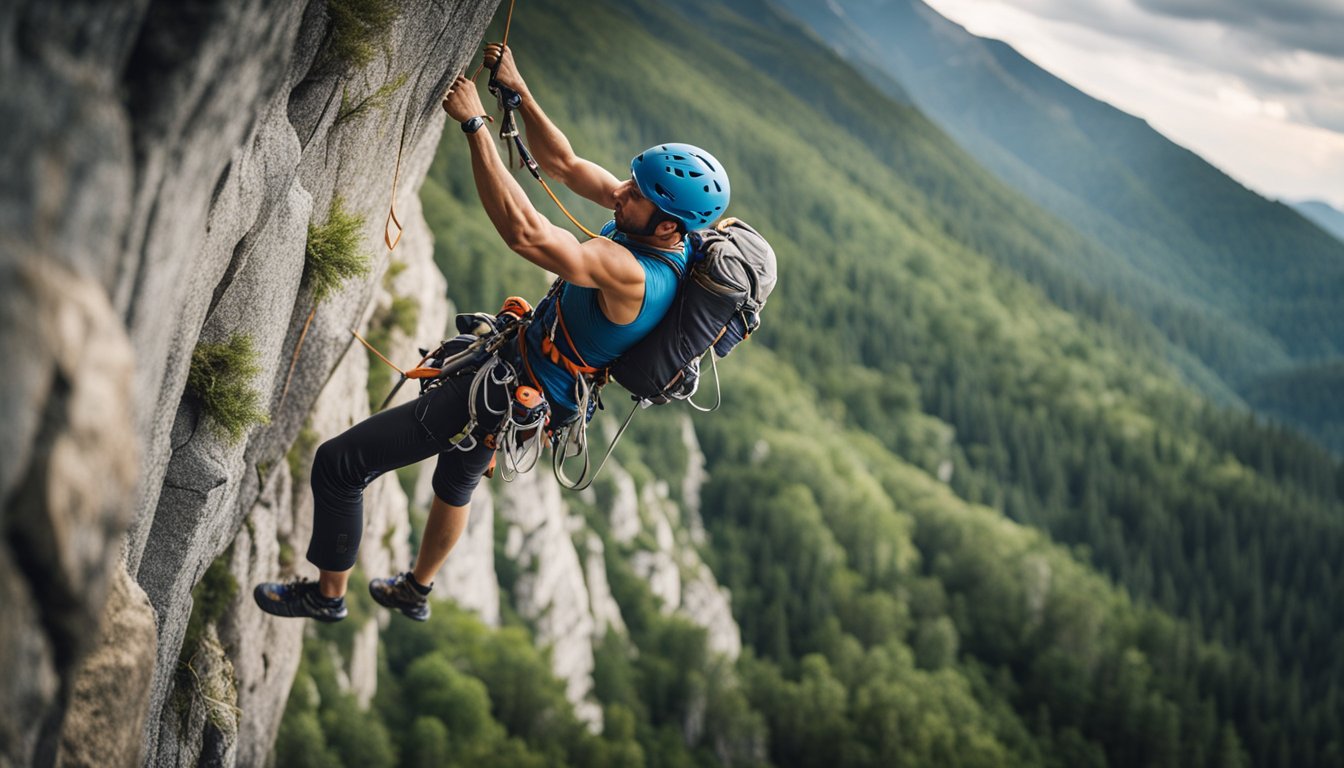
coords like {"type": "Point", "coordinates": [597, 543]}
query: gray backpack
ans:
{"type": "Point", "coordinates": [718, 304]}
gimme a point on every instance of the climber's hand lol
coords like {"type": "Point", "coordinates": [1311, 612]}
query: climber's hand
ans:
{"type": "Point", "coordinates": [463, 102]}
{"type": "Point", "coordinates": [508, 71]}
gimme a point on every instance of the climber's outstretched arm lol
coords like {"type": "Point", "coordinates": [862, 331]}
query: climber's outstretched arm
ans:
{"type": "Point", "coordinates": [548, 145]}
{"type": "Point", "coordinates": [598, 263]}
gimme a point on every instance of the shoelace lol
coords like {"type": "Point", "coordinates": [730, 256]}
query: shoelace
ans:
{"type": "Point", "coordinates": [297, 582]}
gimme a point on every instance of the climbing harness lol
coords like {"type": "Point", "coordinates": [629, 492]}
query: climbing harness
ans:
{"type": "Point", "coordinates": [477, 351]}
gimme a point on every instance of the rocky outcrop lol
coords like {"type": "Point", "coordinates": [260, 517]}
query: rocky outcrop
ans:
{"type": "Point", "coordinates": [664, 538]}
{"type": "Point", "coordinates": [606, 611]}
{"type": "Point", "coordinates": [550, 591]}
{"type": "Point", "coordinates": [68, 480]}
{"type": "Point", "coordinates": [164, 162]}
{"type": "Point", "coordinates": [561, 588]}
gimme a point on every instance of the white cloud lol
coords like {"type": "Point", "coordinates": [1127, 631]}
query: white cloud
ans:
{"type": "Point", "coordinates": [1259, 92]}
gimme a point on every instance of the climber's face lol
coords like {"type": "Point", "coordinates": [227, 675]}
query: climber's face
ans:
{"type": "Point", "coordinates": [634, 212]}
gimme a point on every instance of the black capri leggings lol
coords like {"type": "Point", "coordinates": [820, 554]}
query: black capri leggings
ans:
{"type": "Point", "coordinates": [346, 464]}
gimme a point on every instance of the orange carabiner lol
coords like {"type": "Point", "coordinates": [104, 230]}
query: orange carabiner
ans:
{"type": "Point", "coordinates": [516, 306]}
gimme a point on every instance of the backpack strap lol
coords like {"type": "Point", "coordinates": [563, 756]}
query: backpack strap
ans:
{"type": "Point", "coordinates": [552, 350]}
{"type": "Point", "coordinates": [664, 258]}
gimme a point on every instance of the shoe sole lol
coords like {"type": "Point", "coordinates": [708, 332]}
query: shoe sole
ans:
{"type": "Point", "coordinates": [394, 607]}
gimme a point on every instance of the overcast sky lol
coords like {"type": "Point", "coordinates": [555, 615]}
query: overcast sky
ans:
{"type": "Point", "coordinates": [1256, 87]}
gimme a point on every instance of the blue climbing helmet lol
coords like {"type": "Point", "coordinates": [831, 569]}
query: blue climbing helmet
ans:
{"type": "Point", "coordinates": [685, 182]}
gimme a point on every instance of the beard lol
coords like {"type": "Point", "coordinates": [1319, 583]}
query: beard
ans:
{"type": "Point", "coordinates": [625, 226]}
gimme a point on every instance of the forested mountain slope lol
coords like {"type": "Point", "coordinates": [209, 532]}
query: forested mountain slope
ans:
{"type": "Point", "coordinates": [1241, 282]}
{"type": "Point", "coordinates": [1113, 571]}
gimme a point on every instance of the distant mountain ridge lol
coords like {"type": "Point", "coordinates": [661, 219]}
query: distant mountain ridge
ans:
{"type": "Point", "coordinates": [1243, 283]}
{"type": "Point", "coordinates": [1323, 215]}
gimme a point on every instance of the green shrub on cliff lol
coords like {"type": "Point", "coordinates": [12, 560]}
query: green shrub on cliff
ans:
{"type": "Point", "coordinates": [333, 255]}
{"type": "Point", "coordinates": [358, 29]}
{"type": "Point", "coordinates": [221, 377]}
{"type": "Point", "coordinates": [378, 100]}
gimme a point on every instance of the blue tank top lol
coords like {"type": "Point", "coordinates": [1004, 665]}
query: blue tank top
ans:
{"type": "Point", "coordinates": [597, 339]}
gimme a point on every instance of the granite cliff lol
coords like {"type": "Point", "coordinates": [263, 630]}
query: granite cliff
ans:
{"type": "Point", "coordinates": [165, 162]}
{"type": "Point", "coordinates": [169, 164]}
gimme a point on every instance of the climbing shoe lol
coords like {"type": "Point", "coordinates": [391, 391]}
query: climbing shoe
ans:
{"type": "Point", "coordinates": [402, 593]}
{"type": "Point", "coordinates": [298, 599]}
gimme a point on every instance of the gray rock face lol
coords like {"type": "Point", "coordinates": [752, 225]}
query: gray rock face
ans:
{"type": "Point", "coordinates": [198, 511]}
{"type": "Point", "coordinates": [67, 489]}
{"type": "Point", "coordinates": [107, 710]}
{"type": "Point", "coordinates": [163, 163]}
{"type": "Point", "coordinates": [199, 95]}
{"type": "Point", "coordinates": [167, 162]}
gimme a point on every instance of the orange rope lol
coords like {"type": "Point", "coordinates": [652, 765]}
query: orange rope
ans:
{"type": "Point", "coordinates": [565, 210]}
{"type": "Point", "coordinates": [508, 22]}
{"type": "Point", "coordinates": [371, 348]}
{"type": "Point", "coordinates": [392, 210]}
{"type": "Point", "coordinates": [293, 361]}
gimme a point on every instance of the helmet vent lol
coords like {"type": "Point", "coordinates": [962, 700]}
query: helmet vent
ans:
{"type": "Point", "coordinates": [663, 192]}
{"type": "Point", "coordinates": [705, 160]}
{"type": "Point", "coordinates": [717, 188]}
{"type": "Point", "coordinates": [695, 174]}
{"type": "Point", "coordinates": [680, 173]}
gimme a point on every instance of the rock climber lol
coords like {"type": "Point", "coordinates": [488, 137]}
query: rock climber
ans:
{"type": "Point", "coordinates": [615, 289]}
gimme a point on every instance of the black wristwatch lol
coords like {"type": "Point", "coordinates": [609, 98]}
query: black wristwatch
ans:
{"type": "Point", "coordinates": [473, 125]}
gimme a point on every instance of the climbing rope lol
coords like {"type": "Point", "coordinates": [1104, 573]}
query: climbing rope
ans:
{"type": "Point", "coordinates": [380, 355]}
{"type": "Point", "coordinates": [535, 170]}
{"type": "Point", "coordinates": [520, 443]}
{"type": "Point", "coordinates": [510, 101]}
{"type": "Point", "coordinates": [508, 22]}
{"type": "Point", "coordinates": [392, 211]}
